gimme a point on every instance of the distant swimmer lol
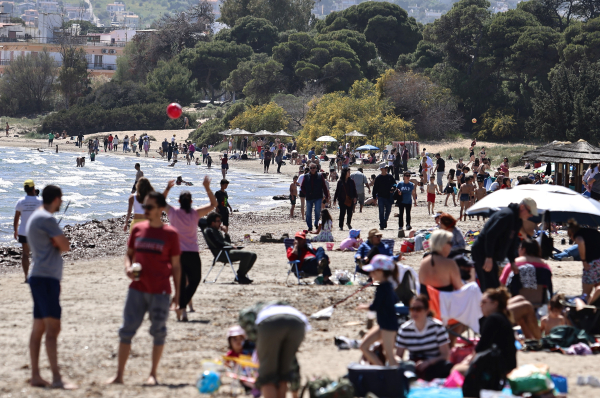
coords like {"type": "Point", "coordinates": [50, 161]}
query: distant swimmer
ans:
{"type": "Point", "coordinates": [181, 181]}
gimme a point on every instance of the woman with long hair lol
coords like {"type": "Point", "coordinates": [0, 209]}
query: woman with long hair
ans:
{"type": "Point", "coordinates": [347, 196]}
{"type": "Point", "coordinates": [143, 188]}
{"type": "Point", "coordinates": [185, 220]}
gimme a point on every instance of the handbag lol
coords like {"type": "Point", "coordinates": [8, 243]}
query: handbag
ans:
{"type": "Point", "coordinates": [383, 381]}
{"type": "Point", "coordinates": [486, 372]}
{"type": "Point", "coordinates": [348, 201]}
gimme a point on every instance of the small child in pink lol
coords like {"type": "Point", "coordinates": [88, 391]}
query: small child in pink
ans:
{"type": "Point", "coordinates": [352, 242]}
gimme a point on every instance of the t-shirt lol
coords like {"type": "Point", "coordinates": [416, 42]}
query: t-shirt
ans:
{"type": "Point", "coordinates": [311, 154]}
{"type": "Point", "coordinates": [591, 237]}
{"type": "Point", "coordinates": [406, 189]}
{"type": "Point", "coordinates": [186, 225]}
{"type": "Point", "coordinates": [273, 310]}
{"type": "Point", "coordinates": [154, 248]}
{"type": "Point", "coordinates": [390, 159]}
{"type": "Point", "coordinates": [359, 180]}
{"type": "Point", "coordinates": [222, 201]}
{"type": "Point", "coordinates": [46, 259]}
{"type": "Point", "coordinates": [596, 184]}
{"type": "Point", "coordinates": [422, 344]}
{"type": "Point", "coordinates": [50, 136]}
{"type": "Point", "coordinates": [26, 206]}
{"type": "Point", "coordinates": [139, 174]}
{"type": "Point", "coordinates": [441, 165]}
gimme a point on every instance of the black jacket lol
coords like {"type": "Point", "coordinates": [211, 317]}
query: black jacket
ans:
{"type": "Point", "coordinates": [345, 189]}
{"type": "Point", "coordinates": [217, 240]}
{"type": "Point", "coordinates": [499, 237]}
{"type": "Point", "coordinates": [314, 187]}
{"type": "Point", "coordinates": [383, 186]}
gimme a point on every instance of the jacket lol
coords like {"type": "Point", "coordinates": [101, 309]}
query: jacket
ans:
{"type": "Point", "coordinates": [383, 186]}
{"type": "Point", "coordinates": [366, 246]}
{"type": "Point", "coordinates": [499, 238]}
{"type": "Point", "coordinates": [314, 187]}
{"type": "Point", "coordinates": [345, 189]}
{"type": "Point", "coordinates": [304, 253]}
{"type": "Point", "coordinates": [217, 240]}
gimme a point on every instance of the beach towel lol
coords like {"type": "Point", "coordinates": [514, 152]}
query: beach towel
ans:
{"type": "Point", "coordinates": [458, 306]}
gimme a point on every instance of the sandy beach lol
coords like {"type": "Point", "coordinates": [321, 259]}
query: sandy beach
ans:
{"type": "Point", "coordinates": [94, 288]}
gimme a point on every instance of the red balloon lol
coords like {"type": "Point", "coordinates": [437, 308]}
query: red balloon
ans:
{"type": "Point", "coordinates": [174, 110]}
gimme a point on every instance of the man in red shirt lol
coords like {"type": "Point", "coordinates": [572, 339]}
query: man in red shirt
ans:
{"type": "Point", "coordinates": [156, 247]}
{"type": "Point", "coordinates": [312, 262]}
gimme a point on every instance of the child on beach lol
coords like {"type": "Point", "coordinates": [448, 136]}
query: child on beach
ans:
{"type": "Point", "coordinates": [555, 316]}
{"type": "Point", "coordinates": [449, 190]}
{"type": "Point", "coordinates": [480, 193]}
{"type": "Point", "coordinates": [293, 194]}
{"type": "Point", "coordinates": [223, 206]}
{"type": "Point", "coordinates": [384, 270]}
{"type": "Point", "coordinates": [352, 242]}
{"type": "Point", "coordinates": [324, 230]}
{"type": "Point", "coordinates": [464, 193]}
{"type": "Point", "coordinates": [208, 161]}
{"type": "Point", "coordinates": [432, 189]}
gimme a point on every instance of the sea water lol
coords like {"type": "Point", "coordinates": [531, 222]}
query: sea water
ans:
{"type": "Point", "coordinates": [100, 189]}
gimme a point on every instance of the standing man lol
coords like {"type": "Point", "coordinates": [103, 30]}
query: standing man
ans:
{"type": "Point", "coordinates": [164, 146]}
{"type": "Point", "coordinates": [311, 153]}
{"type": "Point", "coordinates": [314, 188]}
{"type": "Point", "coordinates": [155, 246]}
{"type": "Point", "coordinates": [594, 184]}
{"type": "Point", "coordinates": [169, 152]}
{"type": "Point", "coordinates": [80, 140]}
{"type": "Point", "coordinates": [499, 239]}
{"type": "Point", "coordinates": [7, 128]}
{"type": "Point", "coordinates": [51, 138]}
{"type": "Point", "coordinates": [397, 164]}
{"type": "Point", "coordinates": [440, 167]}
{"type": "Point", "coordinates": [23, 210]}
{"type": "Point", "coordinates": [405, 156]}
{"type": "Point", "coordinates": [382, 193]}
{"type": "Point", "coordinates": [223, 206]}
{"type": "Point", "coordinates": [204, 153]}
{"type": "Point", "coordinates": [138, 174]}
{"type": "Point", "coordinates": [361, 181]}
{"type": "Point", "coordinates": [407, 193]}
{"type": "Point", "coordinates": [47, 242]}
{"type": "Point", "coordinates": [244, 144]}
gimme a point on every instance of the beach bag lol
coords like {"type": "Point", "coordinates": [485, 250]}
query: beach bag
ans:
{"type": "Point", "coordinates": [383, 381]}
{"type": "Point", "coordinates": [530, 378]}
{"type": "Point", "coordinates": [248, 315]}
{"type": "Point", "coordinates": [486, 372]}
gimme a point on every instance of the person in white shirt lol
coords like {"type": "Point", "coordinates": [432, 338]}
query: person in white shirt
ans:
{"type": "Point", "coordinates": [25, 206]}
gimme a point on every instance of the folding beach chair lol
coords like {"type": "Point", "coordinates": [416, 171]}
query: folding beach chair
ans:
{"type": "Point", "coordinates": [225, 250]}
{"type": "Point", "coordinates": [292, 264]}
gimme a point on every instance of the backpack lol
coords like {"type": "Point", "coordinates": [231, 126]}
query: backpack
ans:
{"type": "Point", "coordinates": [487, 371]}
{"type": "Point", "coordinates": [248, 315]}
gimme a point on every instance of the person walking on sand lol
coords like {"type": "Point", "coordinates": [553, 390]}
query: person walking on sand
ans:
{"type": "Point", "coordinates": [382, 193]}
{"type": "Point", "coordinates": [360, 181]}
{"type": "Point", "coordinates": [23, 210]}
{"type": "Point", "coordinates": [315, 190]}
{"type": "Point", "coordinates": [347, 196]}
{"type": "Point", "coordinates": [404, 196]}
{"type": "Point", "coordinates": [155, 246]}
{"type": "Point", "coordinates": [47, 242]}
{"type": "Point", "coordinates": [185, 220]}
{"type": "Point", "coordinates": [116, 143]}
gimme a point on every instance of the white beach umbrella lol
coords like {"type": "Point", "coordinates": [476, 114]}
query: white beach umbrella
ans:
{"type": "Point", "coordinates": [282, 133]}
{"type": "Point", "coordinates": [264, 132]}
{"type": "Point", "coordinates": [355, 133]}
{"type": "Point", "coordinates": [326, 138]}
{"type": "Point", "coordinates": [562, 203]}
{"type": "Point", "coordinates": [225, 132]}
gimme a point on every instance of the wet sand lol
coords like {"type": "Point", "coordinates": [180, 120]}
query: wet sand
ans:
{"type": "Point", "coordinates": [94, 288]}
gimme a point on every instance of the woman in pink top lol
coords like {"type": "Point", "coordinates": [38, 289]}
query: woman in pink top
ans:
{"type": "Point", "coordinates": [185, 220]}
{"type": "Point", "coordinates": [529, 253]}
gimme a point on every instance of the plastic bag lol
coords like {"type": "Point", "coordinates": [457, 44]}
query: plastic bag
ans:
{"type": "Point", "coordinates": [530, 378]}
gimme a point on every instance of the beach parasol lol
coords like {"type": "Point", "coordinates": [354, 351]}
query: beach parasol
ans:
{"type": "Point", "coordinates": [562, 203]}
{"type": "Point", "coordinates": [225, 132]}
{"type": "Point", "coordinates": [238, 132]}
{"type": "Point", "coordinates": [355, 134]}
{"type": "Point", "coordinates": [326, 313]}
{"type": "Point", "coordinates": [282, 133]}
{"type": "Point", "coordinates": [326, 138]}
{"type": "Point", "coordinates": [264, 133]}
{"type": "Point", "coordinates": [367, 148]}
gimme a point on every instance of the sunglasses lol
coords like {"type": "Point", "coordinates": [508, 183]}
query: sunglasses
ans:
{"type": "Point", "coordinates": [313, 168]}
{"type": "Point", "coordinates": [416, 309]}
{"type": "Point", "coordinates": [148, 207]}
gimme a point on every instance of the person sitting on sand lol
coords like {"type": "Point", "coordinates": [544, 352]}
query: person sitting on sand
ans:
{"type": "Point", "coordinates": [367, 250]}
{"type": "Point", "coordinates": [555, 316]}
{"type": "Point", "coordinates": [312, 262]}
{"type": "Point", "coordinates": [323, 231]}
{"type": "Point", "coordinates": [352, 242]}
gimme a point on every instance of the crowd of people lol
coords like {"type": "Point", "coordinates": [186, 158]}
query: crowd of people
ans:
{"type": "Point", "coordinates": [157, 252]}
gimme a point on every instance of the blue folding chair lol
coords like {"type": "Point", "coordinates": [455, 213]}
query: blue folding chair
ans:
{"type": "Point", "coordinates": [292, 264]}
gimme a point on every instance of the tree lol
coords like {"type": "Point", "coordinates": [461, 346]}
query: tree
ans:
{"type": "Point", "coordinates": [296, 106]}
{"type": "Point", "coordinates": [27, 82]}
{"type": "Point", "coordinates": [171, 80]}
{"type": "Point", "coordinates": [73, 76]}
{"type": "Point", "coordinates": [431, 108]}
{"type": "Point", "coordinates": [570, 110]}
{"type": "Point", "coordinates": [386, 25]}
{"type": "Point", "coordinates": [211, 63]}
{"type": "Point", "coordinates": [581, 41]}
{"type": "Point", "coordinates": [497, 124]}
{"type": "Point", "coordinates": [269, 117]}
{"type": "Point", "coordinates": [425, 57]}
{"type": "Point", "coordinates": [258, 33]}
{"type": "Point", "coordinates": [265, 80]}
{"type": "Point", "coordinates": [283, 14]}
{"type": "Point", "coordinates": [17, 20]}
{"type": "Point", "coordinates": [120, 94]}
{"type": "Point", "coordinates": [361, 109]}
{"type": "Point", "coordinates": [364, 50]}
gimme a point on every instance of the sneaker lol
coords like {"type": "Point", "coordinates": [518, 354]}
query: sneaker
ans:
{"type": "Point", "coordinates": [244, 280]}
{"type": "Point", "coordinates": [408, 227]}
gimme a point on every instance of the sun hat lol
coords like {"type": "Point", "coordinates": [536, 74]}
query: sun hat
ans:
{"type": "Point", "coordinates": [374, 232]}
{"type": "Point", "coordinates": [354, 233]}
{"type": "Point", "coordinates": [236, 331]}
{"type": "Point", "coordinates": [29, 183]}
{"type": "Point", "coordinates": [380, 261]}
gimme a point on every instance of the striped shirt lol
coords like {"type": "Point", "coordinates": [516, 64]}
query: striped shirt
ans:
{"type": "Point", "coordinates": [422, 344]}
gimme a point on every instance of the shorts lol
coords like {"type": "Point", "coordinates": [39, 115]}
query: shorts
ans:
{"type": "Point", "coordinates": [293, 200]}
{"type": "Point", "coordinates": [224, 217]}
{"type": "Point", "coordinates": [225, 166]}
{"type": "Point", "coordinates": [302, 194]}
{"type": "Point", "coordinates": [592, 276]}
{"type": "Point", "coordinates": [22, 239]}
{"type": "Point", "coordinates": [135, 221]}
{"type": "Point", "coordinates": [464, 197]}
{"type": "Point", "coordinates": [45, 293]}
{"type": "Point", "coordinates": [136, 305]}
{"type": "Point", "coordinates": [361, 198]}
{"type": "Point", "coordinates": [258, 149]}
{"type": "Point", "coordinates": [430, 197]}
{"type": "Point", "coordinates": [278, 340]}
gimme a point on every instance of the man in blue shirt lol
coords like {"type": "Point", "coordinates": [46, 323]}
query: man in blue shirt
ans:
{"type": "Point", "coordinates": [311, 153]}
{"type": "Point", "coordinates": [367, 250]}
{"type": "Point", "coordinates": [405, 195]}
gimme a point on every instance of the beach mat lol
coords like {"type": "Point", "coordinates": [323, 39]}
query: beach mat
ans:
{"type": "Point", "coordinates": [436, 392]}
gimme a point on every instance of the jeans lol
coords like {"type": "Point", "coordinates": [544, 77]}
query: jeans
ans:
{"type": "Point", "coordinates": [405, 165]}
{"type": "Point", "coordinates": [191, 273]}
{"type": "Point", "coordinates": [125, 146]}
{"type": "Point", "coordinates": [385, 208]}
{"type": "Point", "coordinates": [266, 166]}
{"type": "Point", "coordinates": [246, 259]}
{"type": "Point", "coordinates": [310, 204]}
{"type": "Point", "coordinates": [572, 251]}
{"type": "Point", "coordinates": [310, 266]}
{"type": "Point", "coordinates": [343, 211]}
{"type": "Point", "coordinates": [396, 173]}
{"type": "Point", "coordinates": [403, 206]}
